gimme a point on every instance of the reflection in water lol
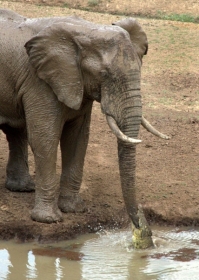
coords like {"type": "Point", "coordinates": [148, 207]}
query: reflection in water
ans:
{"type": "Point", "coordinates": [59, 272]}
{"type": "Point", "coordinates": [31, 266]}
{"type": "Point", "coordinates": [104, 256]}
{"type": "Point", "coordinates": [180, 256]}
{"type": "Point", "coordinates": [18, 262]}
{"type": "Point", "coordinates": [5, 264]}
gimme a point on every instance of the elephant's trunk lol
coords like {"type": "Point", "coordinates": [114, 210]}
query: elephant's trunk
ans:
{"type": "Point", "coordinates": [126, 155]}
{"type": "Point", "coordinates": [118, 133]}
{"type": "Point", "coordinates": [126, 131]}
{"type": "Point", "coordinates": [131, 115]}
{"type": "Point", "coordinates": [142, 235]}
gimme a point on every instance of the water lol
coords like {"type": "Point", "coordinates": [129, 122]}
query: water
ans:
{"type": "Point", "coordinates": [104, 256]}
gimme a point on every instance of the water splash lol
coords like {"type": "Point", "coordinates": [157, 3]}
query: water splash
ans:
{"type": "Point", "coordinates": [106, 255]}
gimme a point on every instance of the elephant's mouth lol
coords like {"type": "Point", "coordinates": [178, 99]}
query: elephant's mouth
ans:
{"type": "Point", "coordinates": [124, 138]}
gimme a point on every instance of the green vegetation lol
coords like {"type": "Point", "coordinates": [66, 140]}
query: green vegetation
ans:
{"type": "Point", "coordinates": [177, 17]}
{"type": "Point", "coordinates": [65, 5]}
{"type": "Point", "coordinates": [93, 3]}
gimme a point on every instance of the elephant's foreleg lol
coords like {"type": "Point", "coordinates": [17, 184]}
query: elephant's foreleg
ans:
{"type": "Point", "coordinates": [47, 184]}
{"type": "Point", "coordinates": [44, 128]}
{"type": "Point", "coordinates": [18, 177]}
{"type": "Point", "coordinates": [74, 142]}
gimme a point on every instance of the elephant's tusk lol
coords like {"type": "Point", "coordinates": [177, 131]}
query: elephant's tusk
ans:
{"type": "Point", "coordinates": [118, 133]}
{"type": "Point", "coordinates": [151, 129]}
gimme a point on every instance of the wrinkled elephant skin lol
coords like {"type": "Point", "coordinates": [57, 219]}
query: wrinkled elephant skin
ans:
{"type": "Point", "coordinates": [53, 70]}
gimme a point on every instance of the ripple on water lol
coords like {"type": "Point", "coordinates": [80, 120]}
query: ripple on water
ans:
{"type": "Point", "coordinates": [176, 256]}
{"type": "Point", "coordinates": [107, 255]}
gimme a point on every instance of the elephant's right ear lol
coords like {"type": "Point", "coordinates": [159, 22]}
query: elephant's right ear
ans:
{"type": "Point", "coordinates": [137, 35]}
{"type": "Point", "coordinates": [53, 52]}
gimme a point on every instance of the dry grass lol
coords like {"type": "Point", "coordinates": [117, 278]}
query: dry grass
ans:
{"type": "Point", "coordinates": [172, 62]}
{"type": "Point", "coordinates": [151, 8]}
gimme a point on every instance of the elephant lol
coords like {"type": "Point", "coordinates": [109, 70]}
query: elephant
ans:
{"type": "Point", "coordinates": [52, 70]}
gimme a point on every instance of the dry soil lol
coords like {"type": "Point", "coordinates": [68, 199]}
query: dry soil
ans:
{"type": "Point", "coordinates": [167, 171]}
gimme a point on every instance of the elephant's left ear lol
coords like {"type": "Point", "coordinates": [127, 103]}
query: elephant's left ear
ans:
{"type": "Point", "coordinates": [137, 35]}
{"type": "Point", "coordinates": [53, 52]}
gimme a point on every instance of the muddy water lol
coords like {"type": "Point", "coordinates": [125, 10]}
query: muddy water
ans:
{"type": "Point", "coordinates": [104, 256]}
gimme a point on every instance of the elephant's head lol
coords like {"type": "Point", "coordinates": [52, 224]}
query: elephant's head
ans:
{"type": "Point", "coordinates": [103, 63]}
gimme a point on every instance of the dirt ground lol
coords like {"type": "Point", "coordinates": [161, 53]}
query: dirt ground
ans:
{"type": "Point", "coordinates": [167, 171]}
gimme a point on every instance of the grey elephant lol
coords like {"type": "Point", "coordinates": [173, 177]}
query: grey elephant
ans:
{"type": "Point", "coordinates": [52, 69]}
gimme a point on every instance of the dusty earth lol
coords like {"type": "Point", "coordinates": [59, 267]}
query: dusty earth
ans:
{"type": "Point", "coordinates": [167, 181]}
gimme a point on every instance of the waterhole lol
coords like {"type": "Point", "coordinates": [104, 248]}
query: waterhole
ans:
{"type": "Point", "coordinates": [104, 256]}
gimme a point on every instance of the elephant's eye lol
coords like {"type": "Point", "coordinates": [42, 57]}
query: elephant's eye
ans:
{"type": "Point", "coordinates": [104, 73]}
